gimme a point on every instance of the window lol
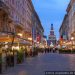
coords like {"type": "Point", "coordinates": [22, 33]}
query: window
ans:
{"type": "Point", "coordinates": [13, 2]}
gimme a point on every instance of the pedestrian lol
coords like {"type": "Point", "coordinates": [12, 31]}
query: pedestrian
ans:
{"type": "Point", "coordinates": [53, 50]}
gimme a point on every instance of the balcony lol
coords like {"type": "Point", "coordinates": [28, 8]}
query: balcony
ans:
{"type": "Point", "coordinates": [3, 7]}
{"type": "Point", "coordinates": [18, 25]}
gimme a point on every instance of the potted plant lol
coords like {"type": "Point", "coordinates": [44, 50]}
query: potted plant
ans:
{"type": "Point", "coordinates": [20, 56]}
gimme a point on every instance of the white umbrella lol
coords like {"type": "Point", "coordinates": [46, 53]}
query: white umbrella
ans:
{"type": "Point", "coordinates": [51, 45]}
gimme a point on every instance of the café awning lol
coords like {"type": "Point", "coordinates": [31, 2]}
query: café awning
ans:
{"type": "Point", "coordinates": [25, 42]}
{"type": "Point", "coordinates": [7, 39]}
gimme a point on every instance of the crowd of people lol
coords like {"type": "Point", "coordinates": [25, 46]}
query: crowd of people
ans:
{"type": "Point", "coordinates": [51, 50]}
{"type": "Point", "coordinates": [40, 50]}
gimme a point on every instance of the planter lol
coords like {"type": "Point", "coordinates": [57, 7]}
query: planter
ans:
{"type": "Point", "coordinates": [73, 51]}
{"type": "Point", "coordinates": [19, 57]}
{"type": "Point", "coordinates": [65, 51]}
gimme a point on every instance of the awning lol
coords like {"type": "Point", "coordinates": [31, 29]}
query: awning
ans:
{"type": "Point", "coordinates": [9, 39]}
{"type": "Point", "coordinates": [25, 43]}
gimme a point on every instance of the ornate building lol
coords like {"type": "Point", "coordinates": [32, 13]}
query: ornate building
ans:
{"type": "Point", "coordinates": [17, 17]}
{"type": "Point", "coordinates": [67, 29]}
{"type": "Point", "coordinates": [64, 28]}
{"type": "Point", "coordinates": [37, 29]}
{"type": "Point", "coordinates": [16, 23]}
{"type": "Point", "coordinates": [71, 18]}
{"type": "Point", "coordinates": [52, 37]}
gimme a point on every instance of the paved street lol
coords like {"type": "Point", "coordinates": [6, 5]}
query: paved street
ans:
{"type": "Point", "coordinates": [44, 62]}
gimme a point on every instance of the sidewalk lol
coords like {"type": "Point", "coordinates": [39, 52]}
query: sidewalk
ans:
{"type": "Point", "coordinates": [16, 70]}
{"type": "Point", "coordinates": [44, 62]}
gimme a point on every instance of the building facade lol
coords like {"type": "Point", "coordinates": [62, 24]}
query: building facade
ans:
{"type": "Point", "coordinates": [38, 30]}
{"type": "Point", "coordinates": [67, 28]}
{"type": "Point", "coordinates": [16, 29]}
{"type": "Point", "coordinates": [19, 17]}
{"type": "Point", "coordinates": [64, 29]}
{"type": "Point", "coordinates": [68, 24]}
{"type": "Point", "coordinates": [71, 17]}
{"type": "Point", "coordinates": [44, 41]}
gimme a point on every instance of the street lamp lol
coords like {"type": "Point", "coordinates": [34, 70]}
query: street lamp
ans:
{"type": "Point", "coordinates": [19, 34]}
{"type": "Point", "coordinates": [30, 39]}
{"type": "Point", "coordinates": [72, 38]}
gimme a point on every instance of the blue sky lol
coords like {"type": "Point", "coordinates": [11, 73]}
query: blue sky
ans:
{"type": "Point", "coordinates": [51, 12]}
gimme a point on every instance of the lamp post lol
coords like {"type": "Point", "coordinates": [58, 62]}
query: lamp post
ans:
{"type": "Point", "coordinates": [13, 38]}
{"type": "Point", "coordinates": [20, 35]}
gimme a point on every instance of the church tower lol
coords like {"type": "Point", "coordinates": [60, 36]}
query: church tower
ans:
{"type": "Point", "coordinates": [52, 37]}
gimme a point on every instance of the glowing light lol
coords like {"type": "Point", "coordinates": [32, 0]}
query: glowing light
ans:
{"type": "Point", "coordinates": [19, 34]}
{"type": "Point", "coordinates": [15, 47]}
{"type": "Point", "coordinates": [72, 38]}
{"type": "Point", "coordinates": [64, 42]}
{"type": "Point", "coordinates": [6, 42]}
{"type": "Point", "coordinates": [30, 39]}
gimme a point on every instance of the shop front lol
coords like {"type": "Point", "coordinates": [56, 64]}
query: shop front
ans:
{"type": "Point", "coordinates": [7, 55]}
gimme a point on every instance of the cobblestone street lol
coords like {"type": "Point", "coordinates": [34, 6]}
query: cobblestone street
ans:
{"type": "Point", "coordinates": [44, 62]}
